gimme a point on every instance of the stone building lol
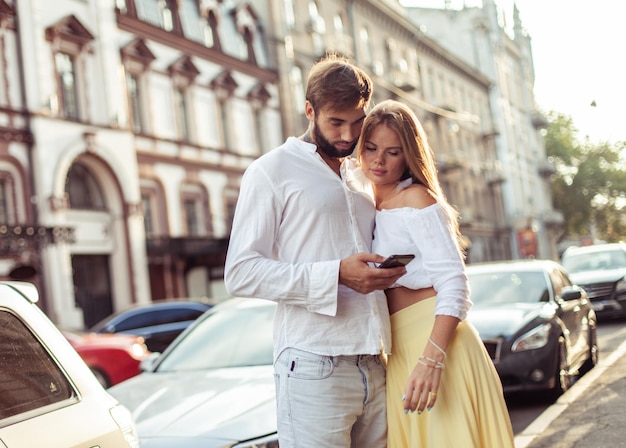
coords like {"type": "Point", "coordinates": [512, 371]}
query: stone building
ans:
{"type": "Point", "coordinates": [125, 127]}
{"type": "Point", "coordinates": [482, 38]}
{"type": "Point", "coordinates": [451, 97]}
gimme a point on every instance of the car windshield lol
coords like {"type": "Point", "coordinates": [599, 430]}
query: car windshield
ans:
{"type": "Point", "coordinates": [230, 337]}
{"type": "Point", "coordinates": [508, 287]}
{"type": "Point", "coordinates": [594, 261]}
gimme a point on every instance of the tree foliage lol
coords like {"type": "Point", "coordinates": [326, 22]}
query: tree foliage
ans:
{"type": "Point", "coordinates": [589, 186]}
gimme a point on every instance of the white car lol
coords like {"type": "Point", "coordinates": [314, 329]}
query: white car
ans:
{"type": "Point", "coordinates": [213, 386]}
{"type": "Point", "coordinates": [48, 396]}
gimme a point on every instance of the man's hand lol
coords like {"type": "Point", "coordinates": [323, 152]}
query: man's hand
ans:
{"type": "Point", "coordinates": [356, 273]}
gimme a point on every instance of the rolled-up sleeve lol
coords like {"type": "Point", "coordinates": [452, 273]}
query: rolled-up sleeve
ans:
{"type": "Point", "coordinates": [442, 259]}
{"type": "Point", "coordinates": [252, 268]}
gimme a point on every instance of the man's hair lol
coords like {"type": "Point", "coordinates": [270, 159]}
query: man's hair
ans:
{"type": "Point", "coordinates": [335, 83]}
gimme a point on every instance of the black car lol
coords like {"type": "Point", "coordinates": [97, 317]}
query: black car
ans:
{"type": "Point", "coordinates": [158, 322]}
{"type": "Point", "coordinates": [538, 327]}
{"type": "Point", "coordinates": [601, 270]}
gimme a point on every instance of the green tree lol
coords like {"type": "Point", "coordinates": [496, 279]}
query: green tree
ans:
{"type": "Point", "coordinates": [589, 186]}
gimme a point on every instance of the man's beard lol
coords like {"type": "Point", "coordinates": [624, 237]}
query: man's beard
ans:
{"type": "Point", "coordinates": [327, 147]}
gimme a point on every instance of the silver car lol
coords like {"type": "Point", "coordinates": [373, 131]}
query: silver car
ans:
{"type": "Point", "coordinates": [213, 386]}
{"type": "Point", "coordinates": [48, 396]}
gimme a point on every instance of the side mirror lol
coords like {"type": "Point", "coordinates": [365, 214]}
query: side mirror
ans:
{"type": "Point", "coordinates": [571, 293]}
{"type": "Point", "coordinates": [149, 364]}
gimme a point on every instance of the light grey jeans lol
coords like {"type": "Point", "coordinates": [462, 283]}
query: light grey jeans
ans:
{"type": "Point", "coordinates": [330, 401]}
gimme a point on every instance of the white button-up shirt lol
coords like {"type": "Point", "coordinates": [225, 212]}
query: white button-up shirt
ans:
{"type": "Point", "coordinates": [295, 220]}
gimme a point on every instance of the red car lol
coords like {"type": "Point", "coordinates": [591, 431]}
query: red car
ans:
{"type": "Point", "coordinates": [113, 358]}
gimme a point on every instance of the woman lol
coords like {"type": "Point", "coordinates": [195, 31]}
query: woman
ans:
{"type": "Point", "coordinates": [438, 362]}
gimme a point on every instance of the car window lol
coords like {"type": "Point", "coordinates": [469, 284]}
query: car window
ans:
{"type": "Point", "coordinates": [29, 377]}
{"type": "Point", "coordinates": [159, 316]}
{"type": "Point", "coordinates": [228, 338]}
{"type": "Point", "coordinates": [593, 261]}
{"type": "Point", "coordinates": [507, 287]}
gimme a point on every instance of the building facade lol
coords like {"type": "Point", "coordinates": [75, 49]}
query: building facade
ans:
{"type": "Point", "coordinates": [481, 37]}
{"type": "Point", "coordinates": [451, 98]}
{"type": "Point", "coordinates": [126, 125]}
{"type": "Point", "coordinates": [130, 123]}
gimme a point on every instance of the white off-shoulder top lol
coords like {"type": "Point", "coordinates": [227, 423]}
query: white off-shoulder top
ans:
{"type": "Point", "coordinates": [438, 261]}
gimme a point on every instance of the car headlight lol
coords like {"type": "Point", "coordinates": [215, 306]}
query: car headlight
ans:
{"type": "Point", "coordinates": [621, 285]}
{"type": "Point", "coordinates": [270, 441]}
{"type": "Point", "coordinates": [535, 338]}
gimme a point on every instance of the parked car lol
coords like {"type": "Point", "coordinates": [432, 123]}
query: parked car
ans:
{"type": "Point", "coordinates": [158, 322]}
{"type": "Point", "coordinates": [112, 358]}
{"type": "Point", "coordinates": [601, 270]}
{"type": "Point", "coordinates": [538, 327]}
{"type": "Point", "coordinates": [48, 395]}
{"type": "Point", "coordinates": [213, 387]}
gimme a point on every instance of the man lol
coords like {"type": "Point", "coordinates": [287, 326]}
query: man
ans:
{"type": "Point", "coordinates": [301, 237]}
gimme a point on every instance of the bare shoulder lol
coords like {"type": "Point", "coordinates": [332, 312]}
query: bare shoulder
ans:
{"type": "Point", "coordinates": [417, 196]}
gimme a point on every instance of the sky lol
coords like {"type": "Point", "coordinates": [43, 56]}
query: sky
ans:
{"type": "Point", "coordinates": [579, 53]}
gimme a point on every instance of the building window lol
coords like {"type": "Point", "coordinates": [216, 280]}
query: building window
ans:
{"type": "Point", "coordinates": [195, 204]}
{"type": "Point", "coordinates": [224, 86]}
{"type": "Point", "coordinates": [153, 205]}
{"type": "Point", "coordinates": [209, 35]}
{"type": "Point", "coordinates": [83, 189]}
{"type": "Point", "coordinates": [183, 72]}
{"type": "Point", "coordinates": [297, 86]}
{"type": "Point", "coordinates": [167, 19]}
{"type": "Point", "coordinates": [148, 212]}
{"type": "Point", "coordinates": [342, 40]}
{"type": "Point", "coordinates": [4, 201]}
{"type": "Point", "coordinates": [69, 39]}
{"type": "Point", "coordinates": [192, 216]}
{"type": "Point", "coordinates": [390, 49]}
{"type": "Point", "coordinates": [318, 28]}
{"type": "Point", "coordinates": [134, 99]}
{"type": "Point", "coordinates": [210, 14]}
{"type": "Point", "coordinates": [66, 72]}
{"type": "Point", "coordinates": [230, 213]}
{"type": "Point", "coordinates": [290, 16]}
{"type": "Point", "coordinates": [137, 57]}
{"type": "Point", "coordinates": [182, 117]}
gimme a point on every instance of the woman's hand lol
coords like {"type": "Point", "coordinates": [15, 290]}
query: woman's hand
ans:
{"type": "Point", "coordinates": [422, 386]}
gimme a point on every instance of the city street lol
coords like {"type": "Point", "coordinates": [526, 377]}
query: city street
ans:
{"type": "Point", "coordinates": [524, 409]}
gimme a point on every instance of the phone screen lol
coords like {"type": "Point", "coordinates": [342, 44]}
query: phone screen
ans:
{"type": "Point", "coordinates": [396, 260]}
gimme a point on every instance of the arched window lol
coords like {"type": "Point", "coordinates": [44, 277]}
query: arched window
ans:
{"type": "Point", "coordinates": [83, 189]}
{"type": "Point", "coordinates": [196, 210]}
{"type": "Point", "coordinates": [7, 208]}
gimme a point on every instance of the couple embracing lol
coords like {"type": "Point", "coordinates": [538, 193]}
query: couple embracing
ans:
{"type": "Point", "coordinates": [364, 357]}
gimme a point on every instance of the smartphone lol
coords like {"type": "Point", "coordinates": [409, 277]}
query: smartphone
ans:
{"type": "Point", "coordinates": [393, 261]}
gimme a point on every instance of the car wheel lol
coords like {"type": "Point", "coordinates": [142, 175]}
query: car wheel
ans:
{"type": "Point", "coordinates": [594, 352]}
{"type": "Point", "coordinates": [563, 380]}
{"type": "Point", "coordinates": [101, 377]}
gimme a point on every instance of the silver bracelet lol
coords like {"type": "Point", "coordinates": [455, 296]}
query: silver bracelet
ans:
{"type": "Point", "coordinates": [437, 347]}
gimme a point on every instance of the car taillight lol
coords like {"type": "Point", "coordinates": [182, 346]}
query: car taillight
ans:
{"type": "Point", "coordinates": [139, 351]}
{"type": "Point", "coordinates": [124, 420]}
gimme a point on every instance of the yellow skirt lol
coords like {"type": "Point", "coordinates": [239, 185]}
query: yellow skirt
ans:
{"type": "Point", "coordinates": [470, 411]}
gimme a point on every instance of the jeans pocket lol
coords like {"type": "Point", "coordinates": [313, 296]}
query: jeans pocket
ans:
{"type": "Point", "coordinates": [309, 366]}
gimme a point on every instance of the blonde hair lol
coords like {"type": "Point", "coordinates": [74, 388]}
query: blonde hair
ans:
{"type": "Point", "coordinates": [418, 154]}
